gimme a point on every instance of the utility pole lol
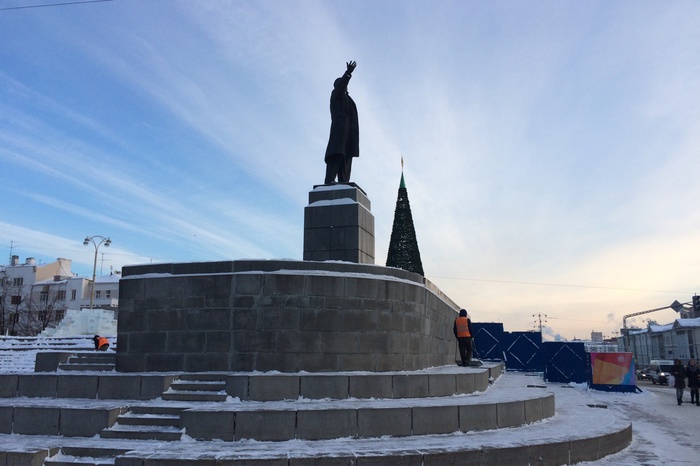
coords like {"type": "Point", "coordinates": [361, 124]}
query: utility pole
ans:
{"type": "Point", "coordinates": [539, 319]}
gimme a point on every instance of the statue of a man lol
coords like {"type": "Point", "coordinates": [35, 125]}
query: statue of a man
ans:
{"type": "Point", "coordinates": [344, 140]}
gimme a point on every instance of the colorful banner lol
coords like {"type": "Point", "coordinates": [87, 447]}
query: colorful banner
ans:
{"type": "Point", "coordinates": [612, 369]}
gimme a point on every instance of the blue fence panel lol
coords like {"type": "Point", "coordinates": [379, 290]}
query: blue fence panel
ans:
{"type": "Point", "coordinates": [565, 362]}
{"type": "Point", "coordinates": [522, 351]}
{"type": "Point", "coordinates": [487, 341]}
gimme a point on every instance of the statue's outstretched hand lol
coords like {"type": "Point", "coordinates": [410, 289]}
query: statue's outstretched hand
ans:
{"type": "Point", "coordinates": [351, 66]}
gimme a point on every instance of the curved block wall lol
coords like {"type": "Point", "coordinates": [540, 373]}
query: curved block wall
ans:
{"type": "Point", "coordinates": [288, 316]}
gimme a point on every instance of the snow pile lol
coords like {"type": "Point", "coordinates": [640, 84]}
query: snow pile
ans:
{"type": "Point", "coordinates": [84, 322]}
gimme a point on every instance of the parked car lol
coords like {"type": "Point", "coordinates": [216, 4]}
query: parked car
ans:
{"type": "Point", "coordinates": [660, 370]}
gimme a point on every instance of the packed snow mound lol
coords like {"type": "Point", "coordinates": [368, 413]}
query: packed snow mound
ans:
{"type": "Point", "coordinates": [84, 322]}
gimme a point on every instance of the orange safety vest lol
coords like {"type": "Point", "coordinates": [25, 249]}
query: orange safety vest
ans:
{"type": "Point", "coordinates": [101, 342]}
{"type": "Point", "coordinates": [462, 327]}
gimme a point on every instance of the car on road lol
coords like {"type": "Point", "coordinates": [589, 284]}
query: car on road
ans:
{"type": "Point", "coordinates": [644, 374]}
{"type": "Point", "coordinates": [660, 370]}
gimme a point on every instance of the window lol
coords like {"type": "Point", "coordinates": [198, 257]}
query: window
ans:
{"type": "Point", "coordinates": [16, 300]}
{"type": "Point", "coordinates": [42, 315]}
{"type": "Point", "coordinates": [60, 314]}
{"type": "Point", "coordinates": [18, 281]}
{"type": "Point", "coordinates": [108, 294]}
{"type": "Point", "coordinates": [73, 294]}
{"type": "Point", "coordinates": [61, 295]}
{"type": "Point", "coordinates": [44, 297]}
{"type": "Point", "coordinates": [98, 294]}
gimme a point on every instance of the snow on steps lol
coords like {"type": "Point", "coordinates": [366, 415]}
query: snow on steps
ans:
{"type": "Point", "coordinates": [18, 354]}
{"type": "Point", "coordinates": [575, 434]}
{"type": "Point", "coordinates": [84, 456]}
{"type": "Point", "coordinates": [197, 387]}
{"type": "Point", "coordinates": [94, 361]}
{"type": "Point", "coordinates": [163, 422]}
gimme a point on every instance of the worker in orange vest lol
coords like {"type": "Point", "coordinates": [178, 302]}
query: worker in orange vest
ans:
{"type": "Point", "coordinates": [463, 332]}
{"type": "Point", "coordinates": [101, 343]}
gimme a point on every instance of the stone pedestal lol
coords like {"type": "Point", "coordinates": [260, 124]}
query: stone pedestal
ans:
{"type": "Point", "coordinates": [339, 225]}
{"type": "Point", "coordinates": [286, 316]}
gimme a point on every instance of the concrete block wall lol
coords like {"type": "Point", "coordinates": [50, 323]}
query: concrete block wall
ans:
{"type": "Point", "coordinates": [397, 419]}
{"type": "Point", "coordinates": [288, 316]}
{"type": "Point", "coordinates": [58, 420]}
{"type": "Point", "coordinates": [106, 387]}
{"type": "Point", "coordinates": [26, 456]}
{"type": "Point", "coordinates": [277, 387]}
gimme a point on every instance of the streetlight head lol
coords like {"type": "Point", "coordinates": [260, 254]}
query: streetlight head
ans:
{"type": "Point", "coordinates": [108, 242]}
{"type": "Point", "coordinates": [86, 241]}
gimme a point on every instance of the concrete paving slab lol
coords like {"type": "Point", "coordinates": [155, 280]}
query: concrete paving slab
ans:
{"type": "Point", "coordinates": [35, 421]}
{"type": "Point", "coordinates": [8, 385]}
{"type": "Point", "coordinates": [475, 417]}
{"type": "Point", "coordinates": [6, 415]}
{"type": "Point", "coordinates": [435, 420]}
{"type": "Point", "coordinates": [208, 425]}
{"type": "Point", "coordinates": [389, 421]}
{"type": "Point", "coordinates": [324, 386]}
{"type": "Point", "coordinates": [513, 456]}
{"type": "Point", "coordinates": [326, 424]}
{"type": "Point", "coordinates": [510, 414]}
{"type": "Point", "coordinates": [265, 425]}
{"type": "Point", "coordinates": [375, 386]}
{"type": "Point", "coordinates": [77, 386]}
{"type": "Point", "coordinates": [76, 422]}
{"type": "Point", "coordinates": [119, 387]}
{"type": "Point", "coordinates": [37, 385]}
{"type": "Point", "coordinates": [271, 387]}
{"type": "Point", "coordinates": [413, 386]}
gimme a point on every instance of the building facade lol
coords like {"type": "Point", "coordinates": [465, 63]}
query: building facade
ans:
{"type": "Point", "coordinates": [36, 296]}
{"type": "Point", "coordinates": [680, 339]}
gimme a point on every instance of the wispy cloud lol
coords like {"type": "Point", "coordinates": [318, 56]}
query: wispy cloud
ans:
{"type": "Point", "coordinates": [544, 145]}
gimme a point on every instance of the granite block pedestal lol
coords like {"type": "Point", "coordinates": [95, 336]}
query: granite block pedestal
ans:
{"type": "Point", "coordinates": [339, 225]}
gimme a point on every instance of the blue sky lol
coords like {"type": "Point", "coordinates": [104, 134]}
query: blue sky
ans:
{"type": "Point", "coordinates": [551, 148]}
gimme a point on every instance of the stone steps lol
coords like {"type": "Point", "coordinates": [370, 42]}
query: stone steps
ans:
{"type": "Point", "coordinates": [84, 456]}
{"type": "Point", "coordinates": [336, 386]}
{"type": "Point", "coordinates": [166, 434]}
{"type": "Point", "coordinates": [89, 362]}
{"type": "Point", "coordinates": [197, 388]}
{"type": "Point", "coordinates": [164, 422]}
{"type": "Point", "coordinates": [147, 423]}
{"type": "Point", "coordinates": [327, 419]}
{"type": "Point", "coordinates": [337, 429]}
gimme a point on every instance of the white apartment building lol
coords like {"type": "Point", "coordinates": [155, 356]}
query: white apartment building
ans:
{"type": "Point", "coordinates": [680, 339]}
{"type": "Point", "coordinates": [34, 297]}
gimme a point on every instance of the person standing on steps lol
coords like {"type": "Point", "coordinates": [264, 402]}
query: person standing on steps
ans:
{"type": "Point", "coordinates": [693, 373]}
{"type": "Point", "coordinates": [463, 332]}
{"type": "Point", "coordinates": [678, 372]}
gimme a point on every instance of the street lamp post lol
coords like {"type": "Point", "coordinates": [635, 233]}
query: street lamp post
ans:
{"type": "Point", "coordinates": [86, 241]}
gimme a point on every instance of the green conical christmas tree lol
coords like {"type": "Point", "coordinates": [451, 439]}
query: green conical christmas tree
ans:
{"type": "Point", "coordinates": [403, 247]}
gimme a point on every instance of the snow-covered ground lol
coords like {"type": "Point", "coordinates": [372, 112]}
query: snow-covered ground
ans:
{"type": "Point", "coordinates": [663, 432]}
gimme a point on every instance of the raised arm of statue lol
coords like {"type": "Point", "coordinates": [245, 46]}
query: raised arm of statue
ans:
{"type": "Point", "coordinates": [351, 67]}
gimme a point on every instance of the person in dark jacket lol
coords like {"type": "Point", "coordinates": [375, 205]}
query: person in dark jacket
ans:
{"type": "Point", "coordinates": [693, 373]}
{"type": "Point", "coordinates": [344, 140]}
{"type": "Point", "coordinates": [678, 372]}
{"type": "Point", "coordinates": [463, 332]}
{"type": "Point", "coordinates": [101, 343]}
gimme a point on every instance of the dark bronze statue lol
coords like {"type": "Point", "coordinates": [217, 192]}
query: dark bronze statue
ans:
{"type": "Point", "coordinates": [344, 140]}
